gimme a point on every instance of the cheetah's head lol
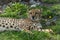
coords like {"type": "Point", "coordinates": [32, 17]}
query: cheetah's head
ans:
{"type": "Point", "coordinates": [34, 14]}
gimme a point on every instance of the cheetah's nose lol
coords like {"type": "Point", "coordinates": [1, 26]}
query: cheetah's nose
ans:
{"type": "Point", "coordinates": [33, 17]}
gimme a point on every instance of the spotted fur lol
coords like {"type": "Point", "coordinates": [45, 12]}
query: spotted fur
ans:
{"type": "Point", "coordinates": [17, 24]}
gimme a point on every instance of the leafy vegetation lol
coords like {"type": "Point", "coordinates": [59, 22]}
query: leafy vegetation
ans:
{"type": "Point", "coordinates": [16, 10]}
{"type": "Point", "coordinates": [56, 8]}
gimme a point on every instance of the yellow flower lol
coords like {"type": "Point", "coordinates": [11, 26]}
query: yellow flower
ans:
{"type": "Point", "coordinates": [50, 17]}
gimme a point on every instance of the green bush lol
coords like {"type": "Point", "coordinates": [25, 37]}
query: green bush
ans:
{"type": "Point", "coordinates": [47, 12]}
{"type": "Point", "coordinates": [16, 10]}
{"type": "Point", "coordinates": [50, 1]}
{"type": "Point", "coordinates": [56, 8]}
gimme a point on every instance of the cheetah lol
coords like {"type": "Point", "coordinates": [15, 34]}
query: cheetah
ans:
{"type": "Point", "coordinates": [35, 14]}
{"type": "Point", "coordinates": [30, 23]}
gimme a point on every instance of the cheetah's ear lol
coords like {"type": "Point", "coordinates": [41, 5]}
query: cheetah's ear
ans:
{"type": "Point", "coordinates": [29, 10]}
{"type": "Point", "coordinates": [40, 10]}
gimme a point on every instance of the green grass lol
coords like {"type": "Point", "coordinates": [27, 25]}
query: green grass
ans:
{"type": "Point", "coordinates": [12, 35]}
